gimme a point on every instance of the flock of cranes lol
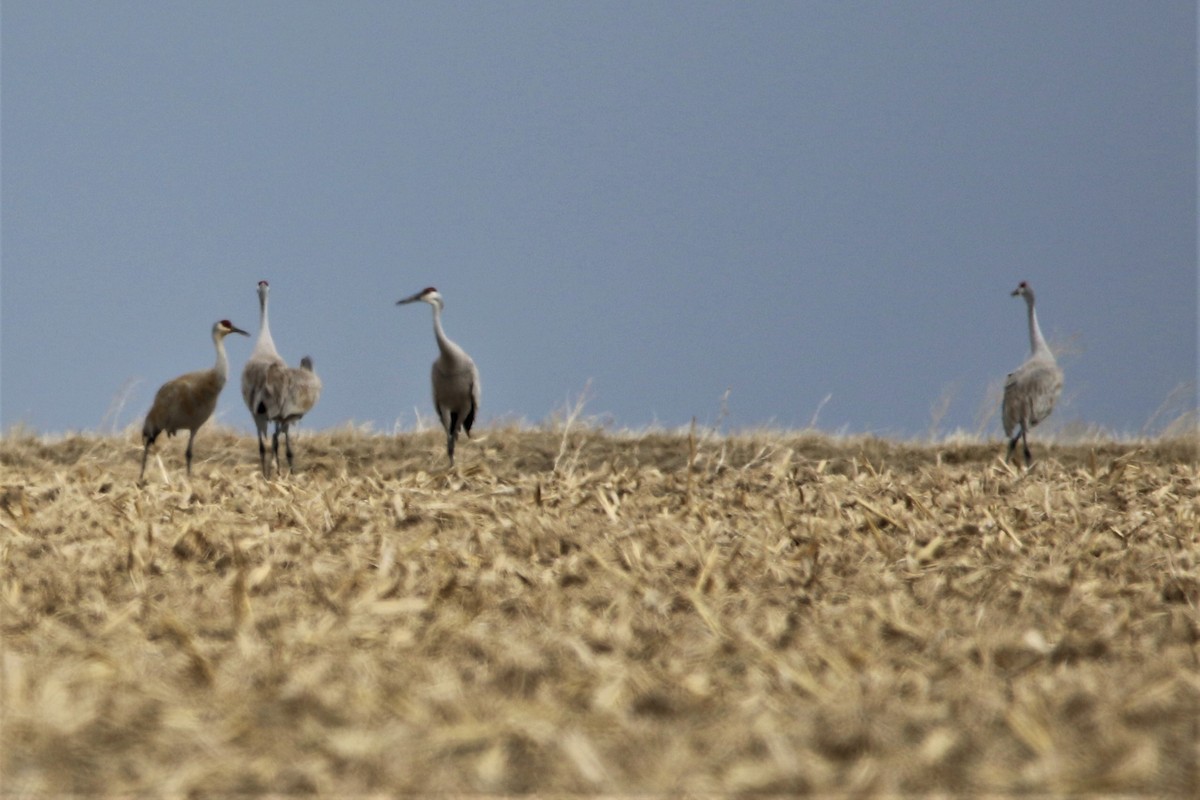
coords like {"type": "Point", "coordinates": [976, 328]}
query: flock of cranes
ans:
{"type": "Point", "coordinates": [279, 394]}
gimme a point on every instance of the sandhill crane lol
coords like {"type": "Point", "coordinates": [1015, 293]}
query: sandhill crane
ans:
{"type": "Point", "coordinates": [186, 402]}
{"type": "Point", "coordinates": [455, 378]}
{"type": "Point", "coordinates": [301, 390]}
{"type": "Point", "coordinates": [1030, 390]}
{"type": "Point", "coordinates": [274, 392]}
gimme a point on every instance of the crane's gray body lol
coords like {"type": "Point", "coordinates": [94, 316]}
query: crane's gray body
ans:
{"type": "Point", "coordinates": [1032, 389]}
{"type": "Point", "coordinates": [186, 402]}
{"type": "Point", "coordinates": [454, 377]}
{"type": "Point", "coordinates": [301, 390]}
{"type": "Point", "coordinates": [275, 392]}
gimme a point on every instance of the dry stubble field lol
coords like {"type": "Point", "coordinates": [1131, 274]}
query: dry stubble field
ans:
{"type": "Point", "coordinates": [598, 613]}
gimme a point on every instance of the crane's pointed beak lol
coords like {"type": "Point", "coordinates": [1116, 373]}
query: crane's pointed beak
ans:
{"type": "Point", "coordinates": [237, 330]}
{"type": "Point", "coordinates": [1015, 292]}
{"type": "Point", "coordinates": [412, 299]}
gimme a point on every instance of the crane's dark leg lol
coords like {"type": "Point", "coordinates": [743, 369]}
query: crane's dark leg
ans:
{"type": "Point", "coordinates": [1025, 445]}
{"type": "Point", "coordinates": [1012, 445]}
{"type": "Point", "coordinates": [147, 440]}
{"type": "Point", "coordinates": [287, 444]}
{"type": "Point", "coordinates": [262, 445]}
{"type": "Point", "coordinates": [188, 453]}
{"type": "Point", "coordinates": [275, 447]}
{"type": "Point", "coordinates": [451, 430]}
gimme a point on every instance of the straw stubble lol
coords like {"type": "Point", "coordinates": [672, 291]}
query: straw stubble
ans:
{"type": "Point", "coordinates": [658, 614]}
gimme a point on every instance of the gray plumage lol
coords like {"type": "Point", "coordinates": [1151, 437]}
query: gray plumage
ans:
{"type": "Point", "coordinates": [1031, 390]}
{"type": "Point", "coordinates": [275, 392]}
{"type": "Point", "coordinates": [301, 390]}
{"type": "Point", "coordinates": [186, 402]}
{"type": "Point", "coordinates": [454, 376]}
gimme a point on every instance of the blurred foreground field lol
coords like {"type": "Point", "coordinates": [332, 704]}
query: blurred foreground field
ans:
{"type": "Point", "coordinates": [588, 612]}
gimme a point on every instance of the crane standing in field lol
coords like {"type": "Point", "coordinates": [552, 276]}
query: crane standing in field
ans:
{"type": "Point", "coordinates": [273, 391]}
{"type": "Point", "coordinates": [302, 389]}
{"type": "Point", "coordinates": [455, 377]}
{"type": "Point", "coordinates": [186, 402]}
{"type": "Point", "coordinates": [1030, 390]}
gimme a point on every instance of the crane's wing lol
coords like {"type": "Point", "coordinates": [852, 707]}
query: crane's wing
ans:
{"type": "Point", "coordinates": [257, 379]}
{"type": "Point", "coordinates": [161, 413]}
{"type": "Point", "coordinates": [470, 420]}
{"type": "Point", "coordinates": [1010, 413]}
{"type": "Point", "coordinates": [1030, 393]}
{"type": "Point", "coordinates": [1046, 383]}
{"type": "Point", "coordinates": [455, 389]}
{"type": "Point", "coordinates": [262, 384]}
{"type": "Point", "coordinates": [301, 391]}
{"type": "Point", "coordinates": [437, 386]}
{"type": "Point", "coordinates": [249, 382]}
{"type": "Point", "coordinates": [184, 402]}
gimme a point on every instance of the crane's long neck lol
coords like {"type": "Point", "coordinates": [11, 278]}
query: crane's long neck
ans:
{"type": "Point", "coordinates": [265, 343]}
{"type": "Point", "coordinates": [1037, 344]}
{"type": "Point", "coordinates": [448, 349]}
{"type": "Point", "coordinates": [221, 370]}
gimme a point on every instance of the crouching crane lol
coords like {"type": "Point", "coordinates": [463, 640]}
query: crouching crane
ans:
{"type": "Point", "coordinates": [455, 378]}
{"type": "Point", "coordinates": [1030, 390]}
{"type": "Point", "coordinates": [186, 402]}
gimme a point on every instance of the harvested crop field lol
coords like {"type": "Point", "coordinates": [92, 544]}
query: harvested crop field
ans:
{"type": "Point", "coordinates": [586, 612]}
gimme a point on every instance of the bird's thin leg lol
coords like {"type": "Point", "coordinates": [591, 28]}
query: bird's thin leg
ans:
{"type": "Point", "coordinates": [1025, 445]}
{"type": "Point", "coordinates": [262, 446]}
{"type": "Point", "coordinates": [287, 444]}
{"type": "Point", "coordinates": [188, 453]}
{"type": "Point", "coordinates": [1012, 445]}
{"type": "Point", "coordinates": [275, 447]}
{"type": "Point", "coordinates": [147, 441]}
{"type": "Point", "coordinates": [451, 430]}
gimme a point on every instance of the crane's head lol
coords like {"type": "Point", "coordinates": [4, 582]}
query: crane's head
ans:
{"type": "Point", "coordinates": [429, 295]}
{"type": "Point", "coordinates": [1022, 290]}
{"type": "Point", "coordinates": [225, 327]}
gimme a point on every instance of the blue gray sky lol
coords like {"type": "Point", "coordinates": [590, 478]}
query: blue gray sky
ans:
{"type": "Point", "coordinates": [808, 205]}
